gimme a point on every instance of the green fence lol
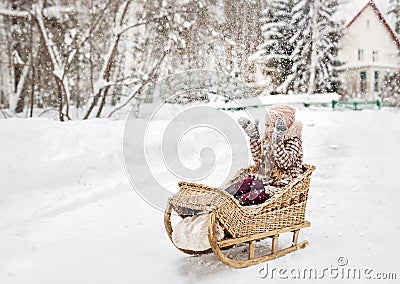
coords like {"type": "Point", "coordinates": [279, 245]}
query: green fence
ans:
{"type": "Point", "coordinates": [356, 105]}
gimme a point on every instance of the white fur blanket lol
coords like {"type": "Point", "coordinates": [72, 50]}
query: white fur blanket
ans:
{"type": "Point", "coordinates": [191, 233]}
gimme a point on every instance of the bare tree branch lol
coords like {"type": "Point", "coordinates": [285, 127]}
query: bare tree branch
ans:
{"type": "Point", "coordinates": [151, 78]}
{"type": "Point", "coordinates": [105, 71]}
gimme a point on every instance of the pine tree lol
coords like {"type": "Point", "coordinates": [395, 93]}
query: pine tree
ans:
{"type": "Point", "coordinates": [394, 10]}
{"type": "Point", "coordinates": [314, 64]}
{"type": "Point", "coordinates": [274, 52]}
{"type": "Point", "coordinates": [390, 93]}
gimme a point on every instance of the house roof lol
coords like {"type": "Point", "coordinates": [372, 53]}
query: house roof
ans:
{"type": "Point", "coordinates": [381, 18]}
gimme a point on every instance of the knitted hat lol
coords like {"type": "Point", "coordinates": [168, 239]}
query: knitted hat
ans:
{"type": "Point", "coordinates": [285, 111]}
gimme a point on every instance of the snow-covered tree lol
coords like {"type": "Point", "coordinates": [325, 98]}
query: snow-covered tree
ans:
{"type": "Point", "coordinates": [76, 56]}
{"type": "Point", "coordinates": [241, 32]}
{"type": "Point", "coordinates": [77, 50]}
{"type": "Point", "coordinates": [313, 59]}
{"type": "Point", "coordinates": [205, 34]}
{"type": "Point", "coordinates": [274, 53]}
{"type": "Point", "coordinates": [390, 93]}
{"type": "Point", "coordinates": [17, 43]}
{"type": "Point", "coordinates": [394, 9]}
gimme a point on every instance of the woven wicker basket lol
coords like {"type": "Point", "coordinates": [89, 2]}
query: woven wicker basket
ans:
{"type": "Point", "coordinates": [285, 209]}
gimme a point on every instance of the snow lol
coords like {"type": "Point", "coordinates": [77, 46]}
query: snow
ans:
{"type": "Point", "coordinates": [187, 24]}
{"type": "Point", "coordinates": [100, 84]}
{"type": "Point", "coordinates": [58, 72]}
{"type": "Point", "coordinates": [21, 14]}
{"type": "Point", "coordinates": [17, 58]}
{"type": "Point", "coordinates": [68, 40]}
{"type": "Point", "coordinates": [68, 213]}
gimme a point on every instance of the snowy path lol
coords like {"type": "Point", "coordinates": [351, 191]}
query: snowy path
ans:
{"type": "Point", "coordinates": [69, 215]}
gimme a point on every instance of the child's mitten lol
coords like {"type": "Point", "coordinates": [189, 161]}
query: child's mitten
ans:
{"type": "Point", "coordinates": [280, 130]}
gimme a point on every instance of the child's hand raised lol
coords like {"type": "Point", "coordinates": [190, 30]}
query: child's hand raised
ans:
{"type": "Point", "coordinates": [250, 128]}
{"type": "Point", "coordinates": [280, 130]}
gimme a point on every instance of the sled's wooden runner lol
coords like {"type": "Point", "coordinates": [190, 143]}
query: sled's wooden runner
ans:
{"type": "Point", "coordinates": [284, 212]}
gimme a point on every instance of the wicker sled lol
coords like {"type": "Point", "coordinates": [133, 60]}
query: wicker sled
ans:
{"type": "Point", "coordinates": [284, 212]}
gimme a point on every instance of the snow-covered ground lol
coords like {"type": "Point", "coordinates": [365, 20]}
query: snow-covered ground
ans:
{"type": "Point", "coordinates": [68, 213]}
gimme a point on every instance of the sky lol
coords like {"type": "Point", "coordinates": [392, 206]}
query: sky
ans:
{"type": "Point", "coordinates": [350, 8]}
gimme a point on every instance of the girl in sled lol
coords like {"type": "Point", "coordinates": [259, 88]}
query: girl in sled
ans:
{"type": "Point", "coordinates": [278, 158]}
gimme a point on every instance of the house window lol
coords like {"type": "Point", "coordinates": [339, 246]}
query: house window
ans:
{"type": "Point", "coordinates": [374, 55]}
{"type": "Point", "coordinates": [360, 54]}
{"type": "Point", "coordinates": [363, 82]}
{"type": "Point", "coordinates": [376, 81]}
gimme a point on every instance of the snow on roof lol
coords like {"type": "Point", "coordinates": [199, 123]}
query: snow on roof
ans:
{"type": "Point", "coordinates": [381, 18]}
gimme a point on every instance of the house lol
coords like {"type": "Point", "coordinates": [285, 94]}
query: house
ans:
{"type": "Point", "coordinates": [370, 50]}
